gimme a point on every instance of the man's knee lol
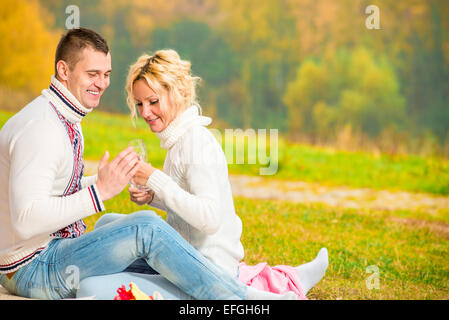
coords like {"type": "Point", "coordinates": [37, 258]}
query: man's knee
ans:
{"type": "Point", "coordinates": [145, 216]}
{"type": "Point", "coordinates": [107, 218]}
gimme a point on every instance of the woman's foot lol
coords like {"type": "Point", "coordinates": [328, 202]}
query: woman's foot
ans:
{"type": "Point", "coordinates": [312, 272]}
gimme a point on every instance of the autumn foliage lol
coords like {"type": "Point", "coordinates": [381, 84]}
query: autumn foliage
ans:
{"type": "Point", "coordinates": [310, 68]}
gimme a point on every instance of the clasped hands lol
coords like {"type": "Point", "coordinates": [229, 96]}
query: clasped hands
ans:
{"type": "Point", "coordinates": [115, 175]}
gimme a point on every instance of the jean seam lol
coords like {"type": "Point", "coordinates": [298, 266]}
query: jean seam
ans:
{"type": "Point", "coordinates": [90, 243]}
{"type": "Point", "coordinates": [217, 278]}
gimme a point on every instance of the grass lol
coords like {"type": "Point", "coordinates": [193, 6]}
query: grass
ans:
{"type": "Point", "coordinates": [296, 161]}
{"type": "Point", "coordinates": [411, 259]}
{"type": "Point", "coordinates": [113, 132]}
{"type": "Point", "coordinates": [411, 256]}
{"type": "Point", "coordinates": [358, 169]}
{"type": "Point", "coordinates": [103, 131]}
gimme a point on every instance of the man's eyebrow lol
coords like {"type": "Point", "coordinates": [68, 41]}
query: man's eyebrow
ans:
{"type": "Point", "coordinates": [98, 71]}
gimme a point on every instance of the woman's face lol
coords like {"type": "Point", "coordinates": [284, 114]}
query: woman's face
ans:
{"type": "Point", "coordinates": [157, 112]}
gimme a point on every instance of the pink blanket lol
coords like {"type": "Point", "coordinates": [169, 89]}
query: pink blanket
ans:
{"type": "Point", "coordinates": [278, 279]}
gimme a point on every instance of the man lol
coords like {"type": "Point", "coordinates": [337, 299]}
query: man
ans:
{"type": "Point", "coordinates": [44, 196]}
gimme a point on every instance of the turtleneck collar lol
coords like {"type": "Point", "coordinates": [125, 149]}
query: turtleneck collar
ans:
{"type": "Point", "coordinates": [65, 102]}
{"type": "Point", "coordinates": [187, 119]}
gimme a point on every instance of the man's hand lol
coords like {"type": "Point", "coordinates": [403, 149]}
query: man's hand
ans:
{"type": "Point", "coordinates": [140, 197]}
{"type": "Point", "coordinates": [115, 175]}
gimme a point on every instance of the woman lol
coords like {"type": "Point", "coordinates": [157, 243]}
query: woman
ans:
{"type": "Point", "coordinates": [194, 187]}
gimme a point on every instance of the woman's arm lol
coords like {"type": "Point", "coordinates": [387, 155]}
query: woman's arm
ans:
{"type": "Point", "coordinates": [141, 197]}
{"type": "Point", "coordinates": [199, 206]}
{"type": "Point", "coordinates": [158, 203]}
{"type": "Point", "coordinates": [198, 161]}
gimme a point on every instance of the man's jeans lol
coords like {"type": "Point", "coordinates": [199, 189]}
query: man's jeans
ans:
{"type": "Point", "coordinates": [111, 248]}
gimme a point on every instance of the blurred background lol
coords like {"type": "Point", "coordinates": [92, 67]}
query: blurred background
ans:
{"type": "Point", "coordinates": [362, 114]}
{"type": "Point", "coordinates": [310, 68]}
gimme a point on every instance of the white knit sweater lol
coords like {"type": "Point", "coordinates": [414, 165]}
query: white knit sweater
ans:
{"type": "Point", "coordinates": [194, 190]}
{"type": "Point", "coordinates": [37, 165]}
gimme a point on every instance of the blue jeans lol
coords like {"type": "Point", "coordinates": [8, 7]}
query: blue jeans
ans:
{"type": "Point", "coordinates": [139, 272]}
{"type": "Point", "coordinates": [110, 249]}
{"type": "Point", "coordinates": [138, 266]}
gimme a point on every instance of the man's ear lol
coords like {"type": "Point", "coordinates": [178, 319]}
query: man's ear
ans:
{"type": "Point", "coordinates": [62, 70]}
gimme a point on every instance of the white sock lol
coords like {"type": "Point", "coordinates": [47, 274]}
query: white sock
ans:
{"type": "Point", "coordinates": [256, 294]}
{"type": "Point", "coordinates": [312, 272]}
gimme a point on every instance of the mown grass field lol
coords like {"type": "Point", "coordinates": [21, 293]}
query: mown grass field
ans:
{"type": "Point", "coordinates": [111, 132]}
{"type": "Point", "coordinates": [409, 248]}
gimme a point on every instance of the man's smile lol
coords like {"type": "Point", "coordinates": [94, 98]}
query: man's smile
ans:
{"type": "Point", "coordinates": [93, 92]}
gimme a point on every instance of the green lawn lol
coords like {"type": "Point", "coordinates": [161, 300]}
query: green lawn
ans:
{"type": "Point", "coordinates": [111, 132]}
{"type": "Point", "coordinates": [410, 249]}
{"type": "Point", "coordinates": [411, 259]}
{"type": "Point", "coordinates": [358, 169]}
{"type": "Point", "coordinates": [296, 161]}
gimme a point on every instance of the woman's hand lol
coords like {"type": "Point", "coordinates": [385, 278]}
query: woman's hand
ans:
{"type": "Point", "coordinates": [140, 197]}
{"type": "Point", "coordinates": [143, 173]}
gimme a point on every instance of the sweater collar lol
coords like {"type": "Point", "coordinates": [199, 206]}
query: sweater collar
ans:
{"type": "Point", "coordinates": [187, 119]}
{"type": "Point", "coordinates": [65, 102]}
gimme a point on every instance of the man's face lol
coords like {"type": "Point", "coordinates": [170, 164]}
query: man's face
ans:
{"type": "Point", "coordinates": [89, 77]}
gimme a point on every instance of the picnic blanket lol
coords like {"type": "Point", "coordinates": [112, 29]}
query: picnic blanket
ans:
{"type": "Point", "coordinates": [278, 279]}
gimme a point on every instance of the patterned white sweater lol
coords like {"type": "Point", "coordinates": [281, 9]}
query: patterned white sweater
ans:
{"type": "Point", "coordinates": [43, 194]}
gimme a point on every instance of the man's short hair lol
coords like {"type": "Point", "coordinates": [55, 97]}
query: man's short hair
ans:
{"type": "Point", "coordinates": [74, 41]}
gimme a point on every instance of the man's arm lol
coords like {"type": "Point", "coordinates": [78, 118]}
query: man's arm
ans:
{"type": "Point", "coordinates": [37, 155]}
{"type": "Point", "coordinates": [87, 181]}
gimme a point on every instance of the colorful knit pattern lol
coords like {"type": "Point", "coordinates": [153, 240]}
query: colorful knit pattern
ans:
{"type": "Point", "coordinates": [66, 101]}
{"type": "Point", "coordinates": [79, 227]}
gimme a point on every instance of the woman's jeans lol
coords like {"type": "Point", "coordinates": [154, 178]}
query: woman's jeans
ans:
{"type": "Point", "coordinates": [111, 248]}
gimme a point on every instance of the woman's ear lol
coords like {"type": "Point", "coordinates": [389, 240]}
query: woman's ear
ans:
{"type": "Point", "coordinates": [182, 92]}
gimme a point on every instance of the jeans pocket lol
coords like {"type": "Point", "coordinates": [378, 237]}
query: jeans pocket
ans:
{"type": "Point", "coordinates": [12, 284]}
{"type": "Point", "coordinates": [46, 284]}
{"type": "Point", "coordinates": [30, 281]}
{"type": "Point", "coordinates": [44, 292]}
{"type": "Point", "coordinates": [8, 284]}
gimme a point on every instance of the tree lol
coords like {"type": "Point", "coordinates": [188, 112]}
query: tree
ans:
{"type": "Point", "coordinates": [349, 87]}
{"type": "Point", "coordinates": [27, 46]}
{"type": "Point", "coordinates": [212, 59]}
{"type": "Point", "coordinates": [262, 35]}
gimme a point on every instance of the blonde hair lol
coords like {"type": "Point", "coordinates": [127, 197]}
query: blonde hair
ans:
{"type": "Point", "coordinates": [164, 70]}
